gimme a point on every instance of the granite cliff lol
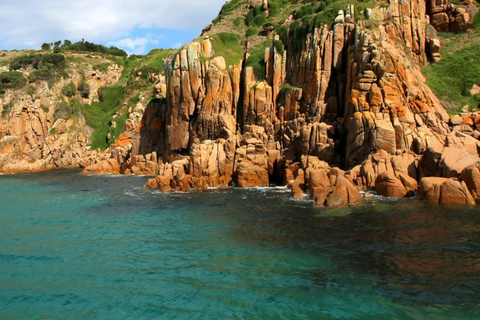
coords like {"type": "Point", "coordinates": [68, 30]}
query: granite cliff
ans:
{"type": "Point", "coordinates": [328, 107]}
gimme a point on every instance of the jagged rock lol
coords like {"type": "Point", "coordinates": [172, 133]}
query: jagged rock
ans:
{"type": "Point", "coordinates": [108, 166]}
{"type": "Point", "coordinates": [298, 185]}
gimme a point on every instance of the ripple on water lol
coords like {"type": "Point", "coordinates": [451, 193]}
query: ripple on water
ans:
{"type": "Point", "coordinates": [94, 247]}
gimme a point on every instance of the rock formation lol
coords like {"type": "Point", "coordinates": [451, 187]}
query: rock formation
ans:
{"type": "Point", "coordinates": [339, 109]}
{"type": "Point", "coordinates": [34, 138]}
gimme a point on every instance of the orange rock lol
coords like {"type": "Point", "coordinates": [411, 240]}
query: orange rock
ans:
{"type": "Point", "coordinates": [388, 185]}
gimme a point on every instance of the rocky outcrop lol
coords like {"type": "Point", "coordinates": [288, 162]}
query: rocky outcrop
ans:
{"type": "Point", "coordinates": [344, 96]}
{"type": "Point", "coordinates": [446, 16]}
{"type": "Point", "coordinates": [341, 108]}
{"type": "Point", "coordinates": [34, 137]}
{"type": "Point", "coordinates": [444, 191]}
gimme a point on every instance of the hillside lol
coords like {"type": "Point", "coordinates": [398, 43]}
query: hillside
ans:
{"type": "Point", "coordinates": [80, 101]}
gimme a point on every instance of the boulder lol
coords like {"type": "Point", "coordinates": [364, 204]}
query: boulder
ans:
{"type": "Point", "coordinates": [444, 191]}
{"type": "Point", "coordinates": [388, 185]}
{"type": "Point", "coordinates": [453, 161]}
{"type": "Point", "coordinates": [335, 200]}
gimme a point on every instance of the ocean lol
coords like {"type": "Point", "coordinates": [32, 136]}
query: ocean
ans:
{"type": "Point", "coordinates": [103, 247]}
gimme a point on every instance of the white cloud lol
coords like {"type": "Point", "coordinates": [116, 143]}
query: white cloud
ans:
{"type": "Point", "coordinates": [132, 46]}
{"type": "Point", "coordinates": [177, 45]}
{"type": "Point", "coordinates": [29, 23]}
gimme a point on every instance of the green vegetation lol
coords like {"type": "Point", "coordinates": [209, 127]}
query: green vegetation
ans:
{"type": "Point", "coordinates": [47, 67]}
{"type": "Point", "coordinates": [38, 61]}
{"type": "Point", "coordinates": [85, 46]}
{"type": "Point", "coordinates": [6, 109]}
{"type": "Point", "coordinates": [84, 89]}
{"type": "Point", "coordinates": [227, 44]}
{"type": "Point", "coordinates": [69, 89]}
{"type": "Point", "coordinates": [286, 88]}
{"type": "Point", "coordinates": [99, 114]}
{"type": "Point", "coordinates": [251, 32]}
{"type": "Point", "coordinates": [63, 110]}
{"type": "Point", "coordinates": [454, 75]}
{"type": "Point", "coordinates": [101, 67]}
{"type": "Point", "coordinates": [30, 90]}
{"type": "Point", "coordinates": [12, 80]}
{"type": "Point", "coordinates": [227, 9]}
{"type": "Point", "coordinates": [256, 60]}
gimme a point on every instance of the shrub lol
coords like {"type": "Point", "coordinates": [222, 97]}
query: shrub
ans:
{"type": "Point", "coordinates": [249, 18]}
{"type": "Point", "coordinates": [260, 20]}
{"type": "Point", "coordinates": [12, 80]}
{"type": "Point", "coordinates": [39, 61]}
{"type": "Point", "coordinates": [101, 67]}
{"type": "Point", "coordinates": [256, 60]}
{"type": "Point", "coordinates": [304, 11]}
{"type": "Point", "coordinates": [41, 75]}
{"type": "Point", "coordinates": [69, 89]}
{"type": "Point", "coordinates": [52, 60]}
{"type": "Point", "coordinates": [7, 108]}
{"type": "Point", "coordinates": [278, 44]}
{"type": "Point", "coordinates": [251, 32]}
{"type": "Point", "coordinates": [30, 91]}
{"type": "Point", "coordinates": [84, 89]}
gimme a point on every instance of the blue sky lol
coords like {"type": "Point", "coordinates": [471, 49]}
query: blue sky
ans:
{"type": "Point", "coordinates": [135, 26]}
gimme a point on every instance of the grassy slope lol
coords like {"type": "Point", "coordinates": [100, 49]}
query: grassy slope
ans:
{"type": "Point", "coordinates": [115, 100]}
{"type": "Point", "coordinates": [452, 77]}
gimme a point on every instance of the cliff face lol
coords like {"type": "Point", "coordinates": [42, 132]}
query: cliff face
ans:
{"type": "Point", "coordinates": [328, 109]}
{"type": "Point", "coordinates": [35, 136]}
{"type": "Point", "coordinates": [351, 96]}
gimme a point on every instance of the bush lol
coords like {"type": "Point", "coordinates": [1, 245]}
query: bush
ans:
{"type": "Point", "coordinates": [92, 47]}
{"type": "Point", "coordinates": [304, 11]}
{"type": "Point", "coordinates": [25, 61]}
{"type": "Point", "coordinates": [260, 20]}
{"type": "Point", "coordinates": [256, 60]}
{"type": "Point", "coordinates": [251, 32]}
{"type": "Point", "coordinates": [69, 90]}
{"type": "Point", "coordinates": [52, 60]}
{"type": "Point", "coordinates": [39, 61]}
{"type": "Point", "coordinates": [40, 75]}
{"type": "Point", "coordinates": [7, 108]}
{"type": "Point", "coordinates": [12, 80]}
{"type": "Point", "coordinates": [101, 67]}
{"type": "Point", "coordinates": [278, 44]}
{"type": "Point", "coordinates": [249, 18]}
{"type": "Point", "coordinates": [30, 91]}
{"type": "Point", "coordinates": [84, 89]}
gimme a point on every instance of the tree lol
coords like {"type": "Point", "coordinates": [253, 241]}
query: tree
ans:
{"type": "Point", "coordinates": [46, 46]}
{"type": "Point", "coordinates": [67, 43]}
{"type": "Point", "coordinates": [57, 44]}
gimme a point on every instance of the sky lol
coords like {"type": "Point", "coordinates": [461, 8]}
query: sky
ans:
{"type": "Point", "coordinates": [137, 26]}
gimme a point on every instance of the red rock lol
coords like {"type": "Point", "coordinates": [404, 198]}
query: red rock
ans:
{"type": "Point", "coordinates": [388, 185]}
{"type": "Point", "coordinates": [250, 175]}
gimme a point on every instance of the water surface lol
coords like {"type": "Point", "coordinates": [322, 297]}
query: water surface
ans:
{"type": "Point", "coordinates": [85, 247]}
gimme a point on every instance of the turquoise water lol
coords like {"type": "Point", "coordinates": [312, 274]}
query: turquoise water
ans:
{"type": "Point", "coordinates": [82, 247]}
